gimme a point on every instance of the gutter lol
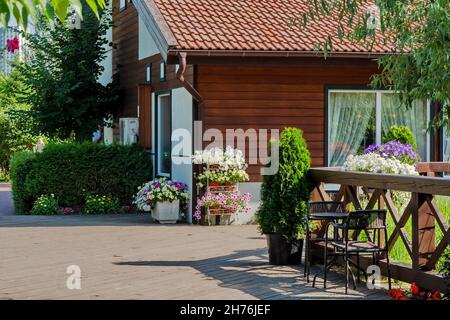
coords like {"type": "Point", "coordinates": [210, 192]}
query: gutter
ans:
{"type": "Point", "coordinates": [276, 54]}
{"type": "Point", "coordinates": [186, 84]}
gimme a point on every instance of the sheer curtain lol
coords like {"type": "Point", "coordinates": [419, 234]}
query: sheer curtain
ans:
{"type": "Point", "coordinates": [415, 118]}
{"type": "Point", "coordinates": [446, 146]}
{"type": "Point", "coordinates": [349, 119]}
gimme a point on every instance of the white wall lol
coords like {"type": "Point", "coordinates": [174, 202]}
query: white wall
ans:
{"type": "Point", "coordinates": [147, 46]}
{"type": "Point", "coordinates": [182, 119]}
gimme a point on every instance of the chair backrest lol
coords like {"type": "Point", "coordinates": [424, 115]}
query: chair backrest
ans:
{"type": "Point", "coordinates": [366, 220]}
{"type": "Point", "coordinates": [326, 206]}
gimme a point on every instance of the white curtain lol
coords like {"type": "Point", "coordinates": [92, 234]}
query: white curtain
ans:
{"type": "Point", "coordinates": [446, 146]}
{"type": "Point", "coordinates": [349, 118]}
{"type": "Point", "coordinates": [414, 118]}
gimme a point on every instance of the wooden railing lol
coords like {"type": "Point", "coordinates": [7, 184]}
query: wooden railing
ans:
{"type": "Point", "coordinates": [422, 209]}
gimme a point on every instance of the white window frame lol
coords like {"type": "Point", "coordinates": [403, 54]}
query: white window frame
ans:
{"type": "Point", "coordinates": [159, 150]}
{"type": "Point", "coordinates": [378, 125]}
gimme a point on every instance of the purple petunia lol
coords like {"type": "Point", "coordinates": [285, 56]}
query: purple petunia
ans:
{"type": "Point", "coordinates": [395, 150]}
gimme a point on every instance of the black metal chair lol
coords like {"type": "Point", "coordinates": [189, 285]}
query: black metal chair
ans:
{"type": "Point", "coordinates": [319, 210]}
{"type": "Point", "coordinates": [373, 224]}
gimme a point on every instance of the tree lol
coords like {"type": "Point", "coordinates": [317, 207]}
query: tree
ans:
{"type": "Point", "coordinates": [25, 10]}
{"type": "Point", "coordinates": [417, 30]}
{"type": "Point", "coordinates": [61, 74]}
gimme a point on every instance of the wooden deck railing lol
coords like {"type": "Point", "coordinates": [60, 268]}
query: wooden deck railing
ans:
{"type": "Point", "coordinates": [422, 209]}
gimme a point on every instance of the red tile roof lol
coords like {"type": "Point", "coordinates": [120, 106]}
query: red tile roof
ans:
{"type": "Point", "coordinates": [255, 25]}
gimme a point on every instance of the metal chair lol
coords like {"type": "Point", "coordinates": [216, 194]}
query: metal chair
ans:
{"type": "Point", "coordinates": [319, 210]}
{"type": "Point", "coordinates": [373, 223]}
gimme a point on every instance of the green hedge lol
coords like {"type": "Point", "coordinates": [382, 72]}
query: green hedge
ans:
{"type": "Point", "coordinates": [20, 165]}
{"type": "Point", "coordinates": [71, 171]}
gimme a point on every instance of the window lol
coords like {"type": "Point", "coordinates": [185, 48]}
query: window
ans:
{"type": "Point", "coordinates": [122, 4]}
{"type": "Point", "coordinates": [163, 135]}
{"type": "Point", "coordinates": [162, 70]}
{"type": "Point", "coordinates": [148, 73]}
{"type": "Point", "coordinates": [446, 145]}
{"type": "Point", "coordinates": [358, 118]}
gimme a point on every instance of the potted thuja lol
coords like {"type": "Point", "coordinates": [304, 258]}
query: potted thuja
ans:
{"type": "Point", "coordinates": [165, 199]}
{"type": "Point", "coordinates": [284, 199]}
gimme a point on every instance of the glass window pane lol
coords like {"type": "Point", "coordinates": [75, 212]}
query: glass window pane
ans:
{"type": "Point", "coordinates": [446, 145]}
{"type": "Point", "coordinates": [351, 124]}
{"type": "Point", "coordinates": [164, 135]}
{"type": "Point", "coordinates": [414, 118]}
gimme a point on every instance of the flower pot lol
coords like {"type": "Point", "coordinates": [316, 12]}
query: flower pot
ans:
{"type": "Point", "coordinates": [283, 253]}
{"type": "Point", "coordinates": [166, 212]}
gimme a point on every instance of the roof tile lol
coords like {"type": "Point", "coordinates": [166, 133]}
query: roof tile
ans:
{"type": "Point", "coordinates": [251, 25]}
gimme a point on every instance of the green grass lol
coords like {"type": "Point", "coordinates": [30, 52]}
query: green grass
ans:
{"type": "Point", "coordinates": [398, 252]}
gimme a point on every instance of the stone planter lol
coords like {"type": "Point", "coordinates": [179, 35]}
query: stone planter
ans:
{"type": "Point", "coordinates": [166, 212]}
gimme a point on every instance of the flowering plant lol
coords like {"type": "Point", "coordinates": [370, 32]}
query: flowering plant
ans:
{"type": "Point", "coordinates": [45, 205]}
{"type": "Point", "coordinates": [160, 190]}
{"type": "Point", "coordinates": [101, 204]}
{"type": "Point", "coordinates": [230, 176]}
{"type": "Point", "coordinates": [415, 294]}
{"type": "Point", "coordinates": [373, 162]}
{"type": "Point", "coordinates": [395, 150]}
{"type": "Point", "coordinates": [230, 159]}
{"type": "Point", "coordinates": [12, 44]}
{"type": "Point", "coordinates": [229, 201]}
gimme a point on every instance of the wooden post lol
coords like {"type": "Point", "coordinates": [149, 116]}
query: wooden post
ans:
{"type": "Point", "coordinates": [426, 227]}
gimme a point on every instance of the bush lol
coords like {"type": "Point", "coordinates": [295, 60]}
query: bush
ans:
{"type": "Point", "coordinates": [101, 205]}
{"type": "Point", "coordinates": [285, 195]}
{"type": "Point", "coordinates": [21, 164]}
{"type": "Point", "coordinates": [71, 171]}
{"type": "Point", "coordinates": [402, 134]}
{"type": "Point", "coordinates": [45, 205]}
{"type": "Point", "coordinates": [443, 265]}
{"type": "Point", "coordinates": [12, 140]}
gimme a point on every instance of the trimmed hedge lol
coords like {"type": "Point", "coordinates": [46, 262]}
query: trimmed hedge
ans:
{"type": "Point", "coordinates": [71, 171]}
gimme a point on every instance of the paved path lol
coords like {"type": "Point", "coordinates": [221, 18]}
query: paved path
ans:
{"type": "Point", "coordinates": [6, 204]}
{"type": "Point", "coordinates": [127, 257]}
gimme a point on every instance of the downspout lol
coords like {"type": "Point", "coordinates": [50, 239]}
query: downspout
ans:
{"type": "Point", "coordinates": [186, 84]}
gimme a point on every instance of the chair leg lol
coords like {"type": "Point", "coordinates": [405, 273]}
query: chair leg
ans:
{"type": "Point", "coordinates": [388, 270]}
{"type": "Point", "coordinates": [306, 254]}
{"type": "Point", "coordinates": [346, 271]}
{"type": "Point", "coordinates": [325, 267]}
{"type": "Point", "coordinates": [358, 267]}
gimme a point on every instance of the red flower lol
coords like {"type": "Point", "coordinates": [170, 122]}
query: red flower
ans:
{"type": "Point", "coordinates": [414, 288]}
{"type": "Point", "coordinates": [436, 295]}
{"type": "Point", "coordinates": [13, 44]}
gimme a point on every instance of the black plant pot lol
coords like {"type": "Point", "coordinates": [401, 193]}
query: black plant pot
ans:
{"type": "Point", "coordinates": [283, 253]}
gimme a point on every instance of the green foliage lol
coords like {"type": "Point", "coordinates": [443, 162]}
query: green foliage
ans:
{"type": "Point", "coordinates": [71, 171]}
{"type": "Point", "coordinates": [443, 265]}
{"type": "Point", "coordinates": [45, 205]}
{"type": "Point", "coordinates": [402, 134]}
{"type": "Point", "coordinates": [285, 194]}
{"type": "Point", "coordinates": [21, 164]}
{"type": "Point", "coordinates": [25, 10]}
{"type": "Point", "coordinates": [96, 204]}
{"type": "Point", "coordinates": [60, 75]}
{"type": "Point", "coordinates": [15, 133]}
{"type": "Point", "coordinates": [420, 30]}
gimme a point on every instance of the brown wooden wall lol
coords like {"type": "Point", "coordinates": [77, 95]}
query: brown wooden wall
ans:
{"type": "Point", "coordinates": [132, 71]}
{"type": "Point", "coordinates": [276, 96]}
